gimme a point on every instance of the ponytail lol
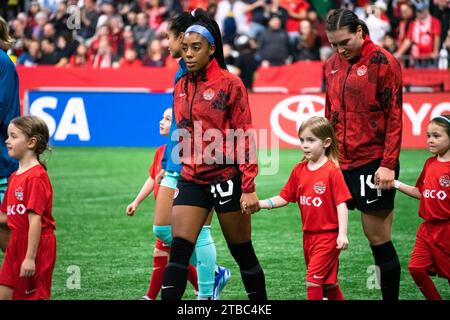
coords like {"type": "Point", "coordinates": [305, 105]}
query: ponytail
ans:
{"type": "Point", "coordinates": [201, 17]}
{"type": "Point", "coordinates": [180, 23]}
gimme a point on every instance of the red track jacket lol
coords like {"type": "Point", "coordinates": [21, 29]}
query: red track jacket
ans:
{"type": "Point", "coordinates": [364, 105]}
{"type": "Point", "coordinates": [207, 106]}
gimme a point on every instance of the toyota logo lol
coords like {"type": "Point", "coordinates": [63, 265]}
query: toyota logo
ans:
{"type": "Point", "coordinates": [295, 109]}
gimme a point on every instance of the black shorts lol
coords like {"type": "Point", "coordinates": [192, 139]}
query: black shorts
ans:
{"type": "Point", "coordinates": [224, 196]}
{"type": "Point", "coordinates": [365, 196]}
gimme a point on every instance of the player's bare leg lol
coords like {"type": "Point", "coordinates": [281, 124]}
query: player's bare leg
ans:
{"type": "Point", "coordinates": [6, 293]}
{"type": "Point", "coordinates": [4, 236]}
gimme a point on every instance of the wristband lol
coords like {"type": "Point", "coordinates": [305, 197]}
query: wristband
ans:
{"type": "Point", "coordinates": [397, 184]}
{"type": "Point", "coordinates": [271, 204]}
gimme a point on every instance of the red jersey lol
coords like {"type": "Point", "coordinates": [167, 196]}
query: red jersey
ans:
{"type": "Point", "coordinates": [434, 185]}
{"type": "Point", "coordinates": [28, 191]}
{"type": "Point", "coordinates": [317, 193]}
{"type": "Point", "coordinates": [212, 107]}
{"type": "Point", "coordinates": [156, 167]}
{"type": "Point", "coordinates": [364, 105]}
{"type": "Point", "coordinates": [422, 35]}
{"type": "Point", "coordinates": [295, 6]}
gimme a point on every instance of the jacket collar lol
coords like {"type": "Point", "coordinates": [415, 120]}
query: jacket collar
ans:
{"type": "Point", "coordinates": [367, 47]}
{"type": "Point", "coordinates": [211, 71]}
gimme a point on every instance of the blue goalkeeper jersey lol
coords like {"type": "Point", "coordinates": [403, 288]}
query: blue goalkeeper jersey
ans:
{"type": "Point", "coordinates": [9, 109]}
{"type": "Point", "coordinates": [171, 161]}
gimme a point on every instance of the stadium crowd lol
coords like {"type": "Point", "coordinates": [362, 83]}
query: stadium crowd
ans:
{"type": "Point", "coordinates": [131, 33]}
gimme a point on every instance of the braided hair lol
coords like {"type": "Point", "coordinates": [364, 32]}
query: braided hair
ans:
{"type": "Point", "coordinates": [341, 18]}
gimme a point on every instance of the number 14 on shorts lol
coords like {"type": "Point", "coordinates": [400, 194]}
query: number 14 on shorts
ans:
{"type": "Point", "coordinates": [367, 181]}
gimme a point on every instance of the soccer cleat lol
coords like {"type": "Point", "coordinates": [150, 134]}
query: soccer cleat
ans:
{"type": "Point", "coordinates": [220, 281]}
{"type": "Point", "coordinates": [145, 298]}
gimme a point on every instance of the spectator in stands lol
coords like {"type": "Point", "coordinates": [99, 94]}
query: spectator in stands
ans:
{"type": "Point", "coordinates": [104, 57]}
{"type": "Point", "coordinates": [231, 18]}
{"type": "Point", "coordinates": [423, 38]}
{"type": "Point", "coordinates": [273, 45]}
{"type": "Point", "coordinates": [17, 31]}
{"type": "Point", "coordinates": [66, 46]}
{"type": "Point", "coordinates": [142, 33]}
{"type": "Point", "coordinates": [406, 17]}
{"type": "Point", "coordinates": [50, 54]}
{"type": "Point", "coordinates": [23, 18]}
{"type": "Point", "coordinates": [41, 20]}
{"type": "Point", "coordinates": [446, 46]}
{"type": "Point", "coordinates": [108, 10]}
{"type": "Point", "coordinates": [155, 56]}
{"type": "Point", "coordinates": [32, 12]}
{"type": "Point", "coordinates": [389, 42]}
{"type": "Point", "coordinates": [211, 9]}
{"type": "Point", "coordinates": [276, 9]}
{"type": "Point", "coordinates": [441, 11]}
{"type": "Point", "coordinates": [59, 17]}
{"type": "Point", "coordinates": [30, 57]}
{"type": "Point", "coordinates": [156, 12]}
{"type": "Point", "coordinates": [131, 19]}
{"type": "Point", "coordinates": [307, 45]}
{"type": "Point", "coordinates": [318, 25]}
{"type": "Point", "coordinates": [246, 63]}
{"type": "Point", "coordinates": [93, 43]}
{"type": "Point", "coordinates": [89, 19]}
{"type": "Point", "coordinates": [116, 29]}
{"type": "Point", "coordinates": [81, 57]}
{"type": "Point", "coordinates": [130, 59]}
{"type": "Point", "coordinates": [377, 26]}
{"type": "Point", "coordinates": [297, 11]}
{"type": "Point", "coordinates": [127, 42]}
{"type": "Point", "coordinates": [259, 11]}
{"type": "Point", "coordinates": [49, 31]}
{"type": "Point", "coordinates": [229, 55]}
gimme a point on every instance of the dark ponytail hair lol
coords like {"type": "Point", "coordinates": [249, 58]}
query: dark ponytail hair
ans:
{"type": "Point", "coordinates": [180, 23]}
{"type": "Point", "coordinates": [201, 17]}
{"type": "Point", "coordinates": [344, 18]}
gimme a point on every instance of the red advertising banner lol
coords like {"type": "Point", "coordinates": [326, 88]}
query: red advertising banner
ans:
{"type": "Point", "coordinates": [282, 114]}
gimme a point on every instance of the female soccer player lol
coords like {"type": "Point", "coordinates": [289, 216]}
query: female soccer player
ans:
{"type": "Point", "coordinates": [431, 254]}
{"type": "Point", "coordinates": [26, 272]}
{"type": "Point", "coordinates": [204, 257]}
{"type": "Point", "coordinates": [208, 100]}
{"type": "Point", "coordinates": [9, 104]}
{"type": "Point", "coordinates": [364, 105]}
{"type": "Point", "coordinates": [319, 188]}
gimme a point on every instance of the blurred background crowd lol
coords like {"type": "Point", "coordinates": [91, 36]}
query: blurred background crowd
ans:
{"type": "Point", "coordinates": [131, 33]}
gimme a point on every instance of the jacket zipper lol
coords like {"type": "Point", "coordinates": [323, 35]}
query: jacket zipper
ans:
{"type": "Point", "coordinates": [190, 117]}
{"type": "Point", "coordinates": [345, 112]}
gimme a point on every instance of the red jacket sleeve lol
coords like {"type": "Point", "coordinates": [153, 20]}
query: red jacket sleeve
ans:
{"type": "Point", "coordinates": [390, 92]}
{"type": "Point", "coordinates": [241, 122]}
